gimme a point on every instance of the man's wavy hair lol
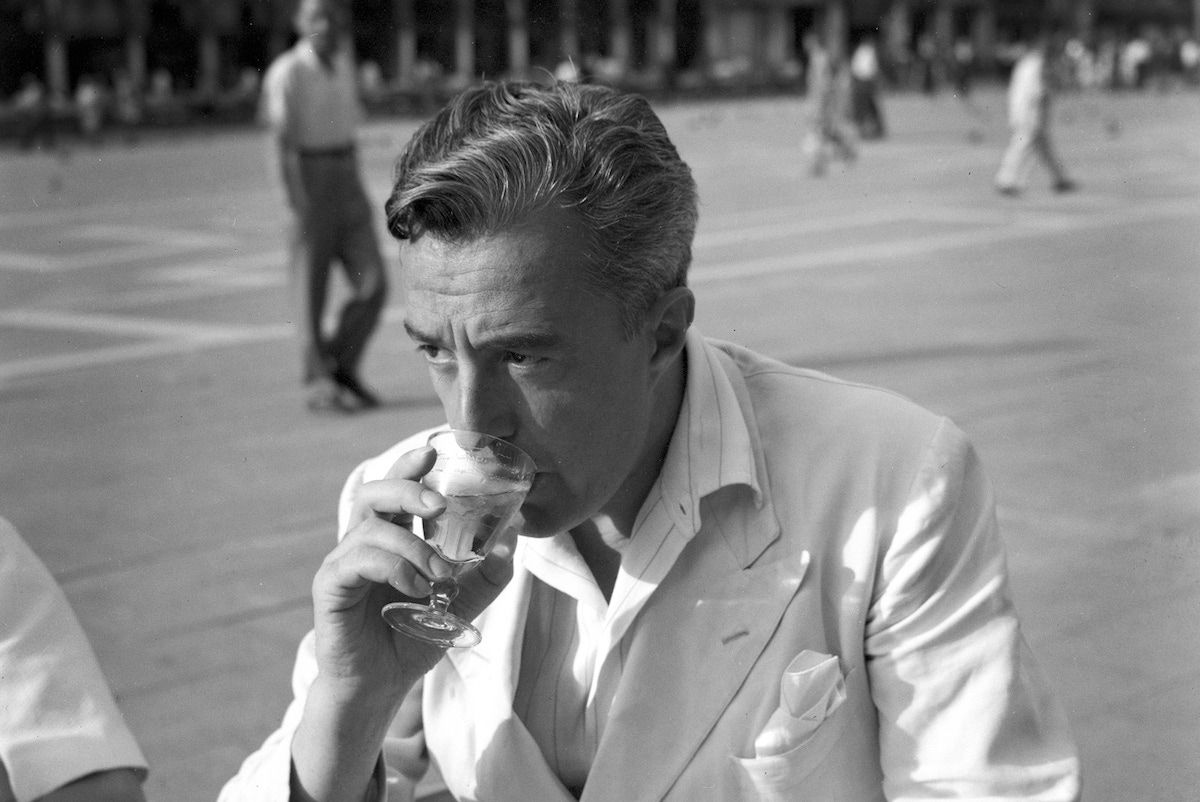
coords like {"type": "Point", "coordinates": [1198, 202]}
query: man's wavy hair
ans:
{"type": "Point", "coordinates": [502, 152]}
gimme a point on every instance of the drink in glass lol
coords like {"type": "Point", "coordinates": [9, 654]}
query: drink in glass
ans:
{"type": "Point", "coordinates": [484, 481]}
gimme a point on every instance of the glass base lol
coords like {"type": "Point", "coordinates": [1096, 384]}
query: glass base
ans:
{"type": "Point", "coordinates": [432, 626]}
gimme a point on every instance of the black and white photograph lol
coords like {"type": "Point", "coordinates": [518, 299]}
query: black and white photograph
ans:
{"type": "Point", "coordinates": [600, 400]}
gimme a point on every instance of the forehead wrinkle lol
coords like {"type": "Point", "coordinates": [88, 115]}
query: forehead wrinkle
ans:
{"type": "Point", "coordinates": [507, 321]}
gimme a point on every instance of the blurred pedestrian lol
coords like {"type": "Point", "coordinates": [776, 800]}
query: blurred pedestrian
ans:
{"type": "Point", "coordinates": [964, 66]}
{"type": "Point", "coordinates": [568, 71]}
{"type": "Point", "coordinates": [1108, 71]}
{"type": "Point", "coordinates": [927, 62]}
{"type": "Point", "coordinates": [35, 122]}
{"type": "Point", "coordinates": [1029, 102]}
{"type": "Point", "coordinates": [1081, 64]}
{"type": "Point", "coordinates": [62, 737]}
{"type": "Point", "coordinates": [162, 92]}
{"type": "Point", "coordinates": [1134, 62]}
{"type": "Point", "coordinates": [827, 91]}
{"type": "Point", "coordinates": [1189, 60]}
{"type": "Point", "coordinates": [864, 75]}
{"type": "Point", "coordinates": [370, 81]}
{"type": "Point", "coordinates": [312, 107]}
{"type": "Point", "coordinates": [90, 101]}
{"type": "Point", "coordinates": [127, 105]}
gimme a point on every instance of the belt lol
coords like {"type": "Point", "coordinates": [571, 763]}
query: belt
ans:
{"type": "Point", "coordinates": [331, 152]}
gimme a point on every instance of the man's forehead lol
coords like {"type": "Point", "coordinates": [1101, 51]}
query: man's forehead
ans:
{"type": "Point", "coordinates": [511, 307]}
{"type": "Point", "coordinates": [520, 262]}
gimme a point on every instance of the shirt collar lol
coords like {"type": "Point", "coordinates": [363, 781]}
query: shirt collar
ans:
{"type": "Point", "coordinates": [711, 447]}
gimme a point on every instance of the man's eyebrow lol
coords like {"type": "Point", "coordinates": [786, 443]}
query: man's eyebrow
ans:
{"type": "Point", "coordinates": [524, 341]}
{"type": "Point", "coordinates": [414, 334]}
{"type": "Point", "coordinates": [513, 341]}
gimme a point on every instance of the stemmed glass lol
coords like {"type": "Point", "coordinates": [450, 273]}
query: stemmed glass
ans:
{"type": "Point", "coordinates": [484, 480]}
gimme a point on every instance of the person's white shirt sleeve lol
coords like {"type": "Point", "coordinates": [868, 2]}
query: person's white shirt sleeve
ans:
{"type": "Point", "coordinates": [265, 776]}
{"type": "Point", "coordinates": [58, 719]}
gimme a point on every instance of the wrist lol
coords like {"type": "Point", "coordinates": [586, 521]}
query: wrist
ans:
{"type": "Point", "coordinates": [338, 743]}
{"type": "Point", "coordinates": [358, 704]}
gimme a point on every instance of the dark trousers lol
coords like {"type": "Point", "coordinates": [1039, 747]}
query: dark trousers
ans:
{"type": "Point", "coordinates": [338, 228]}
{"type": "Point", "coordinates": [865, 111]}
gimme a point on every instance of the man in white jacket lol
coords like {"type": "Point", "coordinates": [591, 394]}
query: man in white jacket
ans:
{"type": "Point", "coordinates": [734, 579]}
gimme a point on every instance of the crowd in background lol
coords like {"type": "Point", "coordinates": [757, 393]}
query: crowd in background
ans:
{"type": "Point", "coordinates": [1150, 58]}
{"type": "Point", "coordinates": [1147, 58]}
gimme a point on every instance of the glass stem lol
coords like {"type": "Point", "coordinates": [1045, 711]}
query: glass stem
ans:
{"type": "Point", "coordinates": [442, 593]}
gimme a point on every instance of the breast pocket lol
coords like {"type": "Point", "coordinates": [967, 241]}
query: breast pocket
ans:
{"type": "Point", "coordinates": [801, 732]}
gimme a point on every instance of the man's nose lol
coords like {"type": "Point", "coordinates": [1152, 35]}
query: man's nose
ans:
{"type": "Point", "coordinates": [485, 402]}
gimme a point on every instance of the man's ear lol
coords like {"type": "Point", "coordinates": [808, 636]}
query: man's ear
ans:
{"type": "Point", "coordinates": [668, 320]}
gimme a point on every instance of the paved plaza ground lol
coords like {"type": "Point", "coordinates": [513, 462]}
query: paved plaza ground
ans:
{"type": "Point", "coordinates": [155, 449]}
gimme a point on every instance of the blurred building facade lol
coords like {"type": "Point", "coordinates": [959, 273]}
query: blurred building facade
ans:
{"type": "Point", "coordinates": [215, 48]}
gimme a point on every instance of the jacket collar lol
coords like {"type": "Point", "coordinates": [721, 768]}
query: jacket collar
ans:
{"type": "Point", "coordinates": [715, 447]}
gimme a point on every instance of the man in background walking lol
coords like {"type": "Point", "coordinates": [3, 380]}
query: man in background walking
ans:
{"type": "Point", "coordinates": [827, 89]}
{"type": "Point", "coordinates": [864, 74]}
{"type": "Point", "coordinates": [1029, 95]}
{"type": "Point", "coordinates": [311, 105]}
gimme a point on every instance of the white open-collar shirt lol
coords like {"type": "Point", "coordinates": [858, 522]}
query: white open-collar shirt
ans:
{"type": "Point", "coordinates": [317, 105]}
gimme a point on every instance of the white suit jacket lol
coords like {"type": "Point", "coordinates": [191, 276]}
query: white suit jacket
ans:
{"type": "Point", "coordinates": [838, 628]}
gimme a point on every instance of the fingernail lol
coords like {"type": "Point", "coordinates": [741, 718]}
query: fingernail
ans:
{"type": "Point", "coordinates": [432, 499]}
{"type": "Point", "coordinates": [439, 568]}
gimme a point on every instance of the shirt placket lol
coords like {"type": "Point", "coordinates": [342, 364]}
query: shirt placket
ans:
{"type": "Point", "coordinates": [655, 545]}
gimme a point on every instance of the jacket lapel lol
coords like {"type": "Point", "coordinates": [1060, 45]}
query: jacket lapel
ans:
{"type": "Point", "coordinates": [697, 639]}
{"type": "Point", "coordinates": [700, 634]}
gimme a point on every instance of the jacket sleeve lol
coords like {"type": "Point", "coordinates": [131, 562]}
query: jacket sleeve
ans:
{"type": "Point", "coordinates": [265, 776]}
{"type": "Point", "coordinates": [964, 712]}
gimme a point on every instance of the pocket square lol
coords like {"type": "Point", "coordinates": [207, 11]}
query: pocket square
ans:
{"type": "Point", "coordinates": [810, 690]}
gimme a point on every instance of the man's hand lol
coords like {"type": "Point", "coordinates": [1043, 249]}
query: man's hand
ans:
{"type": "Point", "coordinates": [379, 561]}
{"type": "Point", "coordinates": [364, 666]}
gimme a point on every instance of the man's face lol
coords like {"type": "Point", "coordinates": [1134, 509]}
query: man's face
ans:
{"type": "Point", "coordinates": [520, 347]}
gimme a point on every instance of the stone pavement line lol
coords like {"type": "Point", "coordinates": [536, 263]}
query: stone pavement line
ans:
{"type": "Point", "coordinates": [176, 206]}
{"type": "Point", "coordinates": [1031, 224]}
{"type": "Point", "coordinates": [190, 340]}
{"type": "Point", "coordinates": [124, 325]}
{"type": "Point", "coordinates": [144, 243]}
{"type": "Point", "coordinates": [791, 223]}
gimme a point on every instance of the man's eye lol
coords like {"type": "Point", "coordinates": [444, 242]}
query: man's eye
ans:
{"type": "Point", "coordinates": [517, 358]}
{"type": "Point", "coordinates": [433, 353]}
